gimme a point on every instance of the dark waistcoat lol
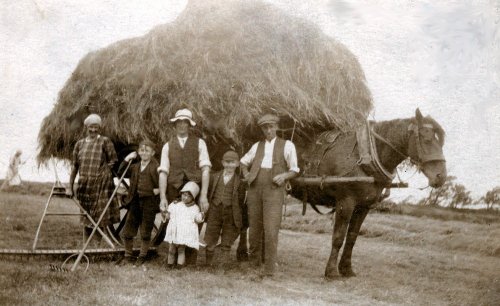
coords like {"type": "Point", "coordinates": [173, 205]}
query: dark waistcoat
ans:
{"type": "Point", "coordinates": [183, 161]}
{"type": "Point", "coordinates": [279, 162]}
{"type": "Point", "coordinates": [223, 193]}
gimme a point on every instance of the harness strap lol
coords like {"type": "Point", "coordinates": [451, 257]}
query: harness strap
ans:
{"type": "Point", "coordinates": [389, 144]}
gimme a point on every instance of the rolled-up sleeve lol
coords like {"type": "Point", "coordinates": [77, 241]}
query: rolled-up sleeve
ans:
{"type": "Point", "coordinates": [76, 150]}
{"type": "Point", "coordinates": [247, 159]}
{"type": "Point", "coordinates": [291, 157]}
{"type": "Point", "coordinates": [204, 158]}
{"type": "Point", "coordinates": [164, 161]}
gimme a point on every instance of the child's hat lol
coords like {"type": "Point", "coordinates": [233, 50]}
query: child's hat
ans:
{"type": "Point", "coordinates": [192, 188]}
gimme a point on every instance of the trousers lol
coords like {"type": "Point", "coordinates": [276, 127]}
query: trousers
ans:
{"type": "Point", "coordinates": [141, 216]}
{"type": "Point", "coordinates": [265, 202]}
{"type": "Point", "coordinates": [220, 223]}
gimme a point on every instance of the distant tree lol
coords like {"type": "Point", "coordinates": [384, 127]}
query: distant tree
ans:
{"type": "Point", "coordinates": [439, 195]}
{"type": "Point", "coordinates": [491, 197]}
{"type": "Point", "coordinates": [459, 195]}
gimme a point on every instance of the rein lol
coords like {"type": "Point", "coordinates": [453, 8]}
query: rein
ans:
{"type": "Point", "coordinates": [405, 156]}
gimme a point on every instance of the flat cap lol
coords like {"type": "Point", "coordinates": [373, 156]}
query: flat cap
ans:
{"type": "Point", "coordinates": [231, 155]}
{"type": "Point", "coordinates": [147, 143]}
{"type": "Point", "coordinates": [268, 118]}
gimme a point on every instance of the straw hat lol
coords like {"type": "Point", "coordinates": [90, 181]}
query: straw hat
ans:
{"type": "Point", "coordinates": [184, 114]}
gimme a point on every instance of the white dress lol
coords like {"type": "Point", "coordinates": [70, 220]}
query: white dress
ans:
{"type": "Point", "coordinates": [13, 178]}
{"type": "Point", "coordinates": [182, 227]}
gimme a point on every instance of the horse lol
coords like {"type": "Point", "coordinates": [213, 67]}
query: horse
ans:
{"type": "Point", "coordinates": [420, 139]}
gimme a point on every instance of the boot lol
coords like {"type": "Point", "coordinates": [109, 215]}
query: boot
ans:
{"type": "Point", "coordinates": [144, 248]}
{"type": "Point", "coordinates": [129, 246]}
{"type": "Point", "coordinates": [225, 262]}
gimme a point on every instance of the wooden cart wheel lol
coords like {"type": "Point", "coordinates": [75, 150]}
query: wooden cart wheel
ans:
{"type": "Point", "coordinates": [115, 230]}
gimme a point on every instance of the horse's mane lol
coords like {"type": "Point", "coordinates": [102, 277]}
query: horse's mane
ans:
{"type": "Point", "coordinates": [394, 129]}
{"type": "Point", "coordinates": [398, 128]}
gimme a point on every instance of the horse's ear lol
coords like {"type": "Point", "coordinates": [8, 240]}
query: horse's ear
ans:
{"type": "Point", "coordinates": [419, 117]}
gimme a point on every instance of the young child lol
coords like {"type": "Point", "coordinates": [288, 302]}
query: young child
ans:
{"type": "Point", "coordinates": [143, 200]}
{"type": "Point", "coordinates": [224, 218]}
{"type": "Point", "coordinates": [182, 229]}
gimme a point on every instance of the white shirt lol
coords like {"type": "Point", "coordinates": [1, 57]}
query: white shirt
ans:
{"type": "Point", "coordinates": [203, 158]}
{"type": "Point", "coordinates": [267, 161]}
{"type": "Point", "coordinates": [227, 177]}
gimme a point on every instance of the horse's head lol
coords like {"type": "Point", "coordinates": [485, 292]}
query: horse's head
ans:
{"type": "Point", "coordinates": [426, 148]}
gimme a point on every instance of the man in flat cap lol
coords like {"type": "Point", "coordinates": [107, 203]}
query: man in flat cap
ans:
{"type": "Point", "coordinates": [184, 158]}
{"type": "Point", "coordinates": [272, 162]}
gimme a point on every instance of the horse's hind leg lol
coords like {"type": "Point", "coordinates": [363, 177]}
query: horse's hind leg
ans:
{"type": "Point", "coordinates": [343, 213]}
{"type": "Point", "coordinates": [358, 216]}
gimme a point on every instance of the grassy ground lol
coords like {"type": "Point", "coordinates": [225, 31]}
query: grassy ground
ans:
{"type": "Point", "coordinates": [399, 259]}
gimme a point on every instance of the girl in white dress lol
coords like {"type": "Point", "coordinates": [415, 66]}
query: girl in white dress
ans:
{"type": "Point", "coordinates": [182, 229]}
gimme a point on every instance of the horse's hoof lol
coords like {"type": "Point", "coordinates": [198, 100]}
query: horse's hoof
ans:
{"type": "Point", "coordinates": [347, 273]}
{"type": "Point", "coordinates": [332, 274]}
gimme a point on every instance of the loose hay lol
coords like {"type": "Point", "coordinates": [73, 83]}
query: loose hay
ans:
{"type": "Point", "coordinates": [228, 62]}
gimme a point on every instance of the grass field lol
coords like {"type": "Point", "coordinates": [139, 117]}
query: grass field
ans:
{"type": "Point", "coordinates": [428, 258]}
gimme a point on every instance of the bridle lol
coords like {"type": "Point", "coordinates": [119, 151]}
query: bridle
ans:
{"type": "Point", "coordinates": [415, 129]}
{"type": "Point", "coordinates": [417, 162]}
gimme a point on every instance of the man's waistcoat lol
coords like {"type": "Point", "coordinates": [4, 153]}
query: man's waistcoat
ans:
{"type": "Point", "coordinates": [184, 162]}
{"type": "Point", "coordinates": [279, 162]}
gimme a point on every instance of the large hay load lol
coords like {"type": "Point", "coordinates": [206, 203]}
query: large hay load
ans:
{"type": "Point", "coordinates": [227, 61]}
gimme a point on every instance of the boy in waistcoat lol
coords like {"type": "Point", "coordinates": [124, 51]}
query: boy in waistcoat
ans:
{"type": "Point", "coordinates": [142, 199]}
{"type": "Point", "coordinates": [272, 162]}
{"type": "Point", "coordinates": [224, 220]}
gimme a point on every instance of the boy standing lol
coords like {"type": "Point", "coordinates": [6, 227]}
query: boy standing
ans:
{"type": "Point", "coordinates": [142, 199]}
{"type": "Point", "coordinates": [225, 213]}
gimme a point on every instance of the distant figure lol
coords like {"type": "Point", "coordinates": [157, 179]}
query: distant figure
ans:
{"type": "Point", "coordinates": [13, 178]}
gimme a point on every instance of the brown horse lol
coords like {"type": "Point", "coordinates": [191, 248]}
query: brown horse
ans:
{"type": "Point", "coordinates": [421, 139]}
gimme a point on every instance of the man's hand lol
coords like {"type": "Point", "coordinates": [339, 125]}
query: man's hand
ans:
{"type": "Point", "coordinates": [204, 203]}
{"type": "Point", "coordinates": [280, 179]}
{"type": "Point", "coordinates": [163, 205]}
{"type": "Point", "coordinates": [131, 156]}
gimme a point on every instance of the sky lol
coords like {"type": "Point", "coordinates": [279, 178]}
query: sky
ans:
{"type": "Point", "coordinates": [443, 57]}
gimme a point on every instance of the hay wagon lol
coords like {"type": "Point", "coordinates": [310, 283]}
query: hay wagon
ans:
{"type": "Point", "coordinates": [228, 62]}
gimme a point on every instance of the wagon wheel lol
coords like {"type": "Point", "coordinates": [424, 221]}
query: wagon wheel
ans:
{"type": "Point", "coordinates": [115, 230]}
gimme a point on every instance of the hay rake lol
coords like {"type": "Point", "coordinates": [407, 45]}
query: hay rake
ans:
{"type": "Point", "coordinates": [76, 255]}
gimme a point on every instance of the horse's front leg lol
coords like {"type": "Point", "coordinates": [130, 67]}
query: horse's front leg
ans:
{"type": "Point", "coordinates": [358, 216]}
{"type": "Point", "coordinates": [343, 213]}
